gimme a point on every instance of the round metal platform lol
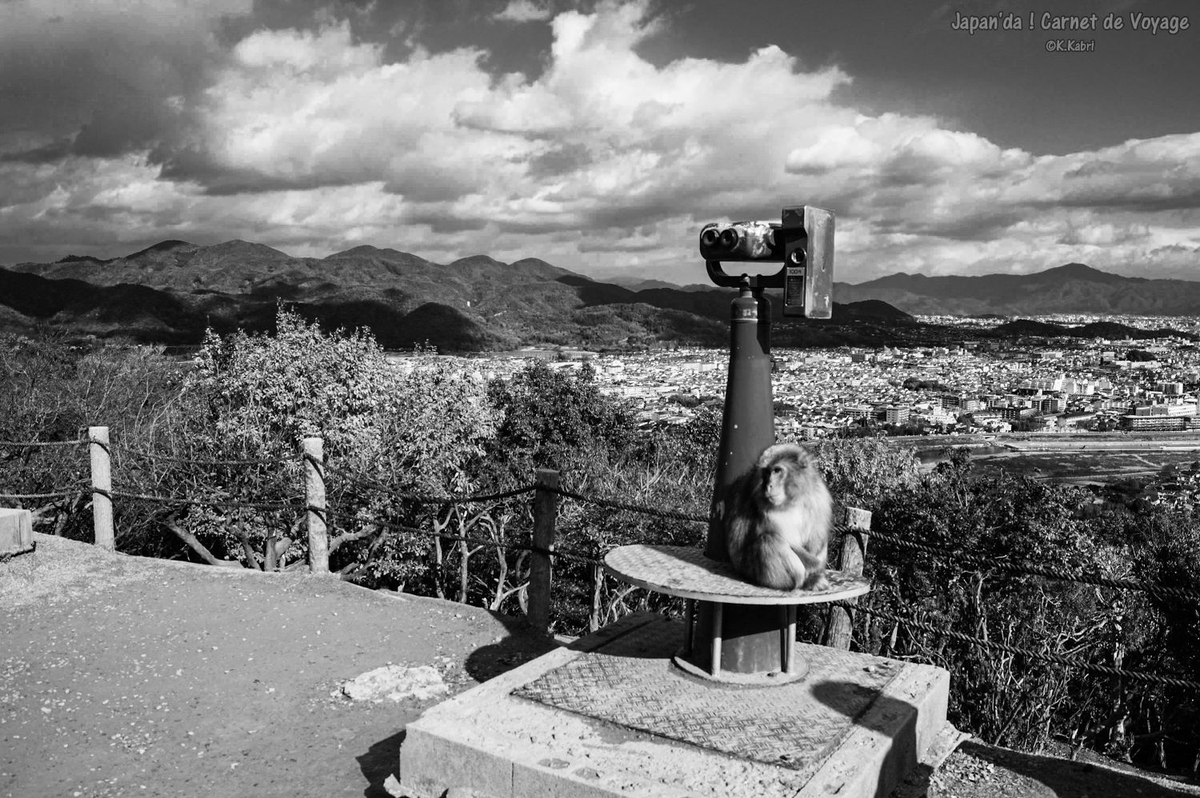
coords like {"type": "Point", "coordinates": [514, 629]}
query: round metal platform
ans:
{"type": "Point", "coordinates": [684, 571]}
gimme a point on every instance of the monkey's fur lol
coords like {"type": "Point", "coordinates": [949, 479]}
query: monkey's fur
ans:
{"type": "Point", "coordinates": [777, 519]}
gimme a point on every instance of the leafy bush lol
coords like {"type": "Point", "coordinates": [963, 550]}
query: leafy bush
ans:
{"type": "Point", "coordinates": [1007, 698]}
{"type": "Point", "coordinates": [53, 393]}
{"type": "Point", "coordinates": [385, 433]}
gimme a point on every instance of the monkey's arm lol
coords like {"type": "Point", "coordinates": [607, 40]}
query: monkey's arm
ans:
{"type": "Point", "coordinates": [737, 531]}
{"type": "Point", "coordinates": [812, 562]}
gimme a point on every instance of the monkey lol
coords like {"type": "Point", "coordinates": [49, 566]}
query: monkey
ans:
{"type": "Point", "coordinates": [777, 520]}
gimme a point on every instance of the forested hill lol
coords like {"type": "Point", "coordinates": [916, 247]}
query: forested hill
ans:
{"type": "Point", "coordinates": [1072, 288]}
{"type": "Point", "coordinates": [170, 292]}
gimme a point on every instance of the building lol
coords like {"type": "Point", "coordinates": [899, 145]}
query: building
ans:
{"type": "Point", "coordinates": [1043, 423]}
{"type": "Point", "coordinates": [1155, 423]}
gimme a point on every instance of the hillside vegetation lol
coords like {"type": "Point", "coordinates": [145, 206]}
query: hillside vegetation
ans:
{"type": "Point", "coordinates": [226, 428]}
{"type": "Point", "coordinates": [1072, 288]}
{"type": "Point", "coordinates": [172, 292]}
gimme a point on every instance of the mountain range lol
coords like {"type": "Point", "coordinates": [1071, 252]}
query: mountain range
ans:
{"type": "Point", "coordinates": [1073, 288]}
{"type": "Point", "coordinates": [171, 292]}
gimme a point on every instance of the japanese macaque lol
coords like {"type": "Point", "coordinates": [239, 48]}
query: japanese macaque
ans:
{"type": "Point", "coordinates": [777, 520]}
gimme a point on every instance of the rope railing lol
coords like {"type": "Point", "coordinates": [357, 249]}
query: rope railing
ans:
{"type": "Point", "coordinates": [299, 503]}
{"type": "Point", "coordinates": [633, 508]}
{"type": "Point", "coordinates": [62, 494]}
{"type": "Point", "coordinates": [1029, 569]}
{"type": "Point", "coordinates": [566, 554]}
{"type": "Point", "coordinates": [295, 502]}
{"type": "Point", "coordinates": [195, 461]}
{"type": "Point", "coordinates": [1058, 659]}
{"type": "Point", "coordinates": [423, 499]}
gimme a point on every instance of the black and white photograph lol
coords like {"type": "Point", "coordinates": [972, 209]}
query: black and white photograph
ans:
{"type": "Point", "coordinates": [516, 398]}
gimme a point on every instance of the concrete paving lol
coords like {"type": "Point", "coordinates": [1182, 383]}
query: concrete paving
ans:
{"type": "Point", "coordinates": [602, 725]}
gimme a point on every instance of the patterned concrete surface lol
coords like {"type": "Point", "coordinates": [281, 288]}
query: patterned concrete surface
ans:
{"type": "Point", "coordinates": [794, 725]}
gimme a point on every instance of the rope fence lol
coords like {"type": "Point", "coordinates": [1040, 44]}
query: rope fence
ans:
{"type": "Point", "coordinates": [55, 495]}
{"type": "Point", "coordinates": [566, 554]}
{"type": "Point", "coordinates": [546, 489]}
{"type": "Point", "coordinates": [632, 508]}
{"type": "Point", "coordinates": [296, 502]}
{"type": "Point", "coordinates": [196, 462]}
{"type": "Point", "coordinates": [1028, 569]}
{"type": "Point", "coordinates": [421, 499]}
{"type": "Point", "coordinates": [1058, 659]}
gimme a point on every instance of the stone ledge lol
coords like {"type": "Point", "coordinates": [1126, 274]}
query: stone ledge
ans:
{"type": "Point", "coordinates": [16, 531]}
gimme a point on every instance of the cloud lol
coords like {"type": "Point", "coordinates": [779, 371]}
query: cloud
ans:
{"type": "Point", "coordinates": [101, 74]}
{"type": "Point", "coordinates": [175, 122]}
{"type": "Point", "coordinates": [523, 11]}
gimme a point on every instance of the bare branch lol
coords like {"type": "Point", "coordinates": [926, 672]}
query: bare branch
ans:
{"type": "Point", "coordinates": [198, 547]}
{"type": "Point", "coordinates": [348, 537]}
{"type": "Point", "coordinates": [251, 560]}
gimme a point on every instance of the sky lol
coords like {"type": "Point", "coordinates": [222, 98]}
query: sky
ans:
{"type": "Point", "coordinates": [601, 135]}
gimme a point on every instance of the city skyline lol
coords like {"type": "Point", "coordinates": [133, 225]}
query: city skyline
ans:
{"type": "Point", "coordinates": [600, 136]}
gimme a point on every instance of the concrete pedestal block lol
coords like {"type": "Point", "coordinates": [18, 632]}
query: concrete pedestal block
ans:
{"type": "Point", "coordinates": [16, 531]}
{"type": "Point", "coordinates": [494, 740]}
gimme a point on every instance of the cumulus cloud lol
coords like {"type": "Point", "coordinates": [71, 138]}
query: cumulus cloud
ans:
{"type": "Point", "coordinates": [310, 137]}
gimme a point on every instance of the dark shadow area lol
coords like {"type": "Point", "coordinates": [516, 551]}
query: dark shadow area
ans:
{"type": "Point", "coordinates": [1067, 779]}
{"type": "Point", "coordinates": [628, 638]}
{"type": "Point", "coordinates": [1042, 775]}
{"type": "Point", "coordinates": [897, 719]}
{"type": "Point", "coordinates": [520, 645]}
{"type": "Point", "coordinates": [379, 762]}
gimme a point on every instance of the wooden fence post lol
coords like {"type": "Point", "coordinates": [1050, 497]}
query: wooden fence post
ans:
{"type": "Point", "coordinates": [597, 589]}
{"type": "Point", "coordinates": [102, 513]}
{"type": "Point", "coordinates": [541, 569]}
{"type": "Point", "coordinates": [854, 547]}
{"type": "Point", "coordinates": [314, 501]}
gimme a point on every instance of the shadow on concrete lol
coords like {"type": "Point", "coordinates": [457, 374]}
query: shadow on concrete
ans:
{"type": "Point", "coordinates": [1065, 778]}
{"type": "Point", "coordinates": [1046, 775]}
{"type": "Point", "coordinates": [520, 645]}
{"type": "Point", "coordinates": [379, 762]}
{"type": "Point", "coordinates": [887, 715]}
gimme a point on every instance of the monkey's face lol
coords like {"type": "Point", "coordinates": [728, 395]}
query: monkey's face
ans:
{"type": "Point", "coordinates": [785, 479]}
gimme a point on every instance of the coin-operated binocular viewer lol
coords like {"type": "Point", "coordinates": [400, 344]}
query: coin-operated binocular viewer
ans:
{"type": "Point", "coordinates": [803, 242]}
{"type": "Point", "coordinates": [737, 631]}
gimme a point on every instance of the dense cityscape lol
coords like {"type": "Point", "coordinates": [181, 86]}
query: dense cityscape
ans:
{"type": "Point", "coordinates": [1033, 385]}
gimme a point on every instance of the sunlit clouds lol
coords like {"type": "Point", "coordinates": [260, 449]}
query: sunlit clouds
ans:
{"type": "Point", "coordinates": [128, 126]}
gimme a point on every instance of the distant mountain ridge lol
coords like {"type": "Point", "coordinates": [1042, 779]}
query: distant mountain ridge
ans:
{"type": "Point", "coordinates": [1071, 288]}
{"type": "Point", "coordinates": [171, 291]}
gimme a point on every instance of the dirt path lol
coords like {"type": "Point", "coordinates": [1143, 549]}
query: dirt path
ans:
{"type": "Point", "coordinates": [122, 676]}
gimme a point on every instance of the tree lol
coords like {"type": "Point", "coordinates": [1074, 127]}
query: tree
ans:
{"type": "Point", "coordinates": [386, 434]}
{"type": "Point", "coordinates": [553, 419]}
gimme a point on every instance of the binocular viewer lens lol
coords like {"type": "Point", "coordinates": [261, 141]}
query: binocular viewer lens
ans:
{"type": "Point", "coordinates": [741, 241]}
